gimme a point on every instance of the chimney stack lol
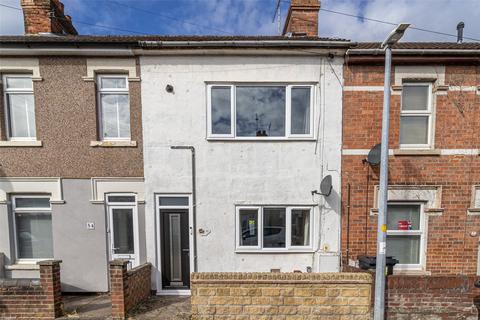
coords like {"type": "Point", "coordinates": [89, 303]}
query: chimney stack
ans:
{"type": "Point", "coordinates": [46, 16]}
{"type": "Point", "coordinates": [302, 18]}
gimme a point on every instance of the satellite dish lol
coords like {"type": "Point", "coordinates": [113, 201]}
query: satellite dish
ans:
{"type": "Point", "coordinates": [326, 186]}
{"type": "Point", "coordinates": [373, 157]}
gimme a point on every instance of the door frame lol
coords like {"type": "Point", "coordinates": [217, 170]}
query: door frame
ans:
{"type": "Point", "coordinates": [158, 208]}
{"type": "Point", "coordinates": [123, 205]}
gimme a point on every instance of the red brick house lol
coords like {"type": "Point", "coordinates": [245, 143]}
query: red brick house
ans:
{"type": "Point", "coordinates": [434, 171]}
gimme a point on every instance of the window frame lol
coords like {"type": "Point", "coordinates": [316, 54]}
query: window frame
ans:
{"type": "Point", "coordinates": [288, 229]}
{"type": "Point", "coordinates": [14, 211]}
{"type": "Point", "coordinates": [422, 231]}
{"type": "Point", "coordinates": [288, 104]}
{"type": "Point", "coordinates": [19, 91]}
{"type": "Point", "coordinates": [412, 113]}
{"type": "Point", "coordinates": [111, 91]}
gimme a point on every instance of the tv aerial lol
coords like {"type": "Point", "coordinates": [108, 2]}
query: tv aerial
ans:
{"type": "Point", "coordinates": [325, 187]}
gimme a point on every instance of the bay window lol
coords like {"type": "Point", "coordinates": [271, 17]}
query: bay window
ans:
{"type": "Point", "coordinates": [260, 111]}
{"type": "Point", "coordinates": [270, 228]}
{"type": "Point", "coordinates": [406, 234]}
{"type": "Point", "coordinates": [19, 107]}
{"type": "Point", "coordinates": [114, 107]}
{"type": "Point", "coordinates": [416, 116]}
{"type": "Point", "coordinates": [32, 221]}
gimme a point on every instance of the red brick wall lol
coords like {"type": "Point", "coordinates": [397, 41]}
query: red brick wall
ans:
{"type": "Point", "coordinates": [450, 248]}
{"type": "Point", "coordinates": [417, 297]}
{"type": "Point", "coordinates": [128, 288]}
{"type": "Point", "coordinates": [33, 299]}
{"type": "Point", "coordinates": [428, 297]}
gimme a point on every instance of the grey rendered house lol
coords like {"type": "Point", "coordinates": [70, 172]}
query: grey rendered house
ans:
{"type": "Point", "coordinates": [71, 154]}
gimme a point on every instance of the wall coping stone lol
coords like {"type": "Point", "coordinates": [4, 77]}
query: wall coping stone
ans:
{"type": "Point", "coordinates": [275, 277]}
{"type": "Point", "coordinates": [140, 267]}
{"type": "Point", "coordinates": [49, 262]}
{"type": "Point", "coordinates": [119, 262]}
{"type": "Point", "coordinates": [19, 283]}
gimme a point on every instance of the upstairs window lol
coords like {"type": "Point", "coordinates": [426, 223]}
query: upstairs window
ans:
{"type": "Point", "coordinates": [114, 107]}
{"type": "Point", "coordinates": [260, 111]}
{"type": "Point", "coordinates": [416, 116]}
{"type": "Point", "coordinates": [19, 107]}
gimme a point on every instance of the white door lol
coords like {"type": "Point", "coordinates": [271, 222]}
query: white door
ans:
{"type": "Point", "coordinates": [123, 229]}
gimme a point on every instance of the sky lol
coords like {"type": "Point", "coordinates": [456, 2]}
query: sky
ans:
{"type": "Point", "coordinates": [254, 17]}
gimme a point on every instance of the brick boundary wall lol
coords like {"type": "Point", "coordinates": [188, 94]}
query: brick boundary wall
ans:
{"type": "Point", "coordinates": [250, 296]}
{"type": "Point", "coordinates": [128, 287]}
{"type": "Point", "coordinates": [431, 297]}
{"type": "Point", "coordinates": [445, 297]}
{"type": "Point", "coordinates": [33, 298]}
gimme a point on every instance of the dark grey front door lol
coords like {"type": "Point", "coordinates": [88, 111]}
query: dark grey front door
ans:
{"type": "Point", "coordinates": [175, 249]}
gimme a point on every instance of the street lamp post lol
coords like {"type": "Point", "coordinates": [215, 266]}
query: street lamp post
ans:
{"type": "Point", "coordinates": [379, 310]}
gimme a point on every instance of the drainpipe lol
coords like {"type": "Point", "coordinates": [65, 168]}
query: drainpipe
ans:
{"type": "Point", "coordinates": [194, 204]}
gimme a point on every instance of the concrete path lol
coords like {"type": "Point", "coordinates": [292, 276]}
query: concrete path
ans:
{"type": "Point", "coordinates": [98, 307]}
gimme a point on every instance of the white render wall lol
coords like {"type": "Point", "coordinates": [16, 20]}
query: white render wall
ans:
{"type": "Point", "coordinates": [241, 172]}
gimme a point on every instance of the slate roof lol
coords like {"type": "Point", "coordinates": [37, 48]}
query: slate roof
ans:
{"type": "Point", "coordinates": [135, 39]}
{"type": "Point", "coordinates": [421, 45]}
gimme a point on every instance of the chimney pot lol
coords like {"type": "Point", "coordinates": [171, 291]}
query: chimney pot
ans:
{"type": "Point", "coordinates": [302, 18]}
{"type": "Point", "coordinates": [460, 27]}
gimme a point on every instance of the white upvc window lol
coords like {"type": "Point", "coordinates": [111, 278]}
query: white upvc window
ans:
{"type": "Point", "coordinates": [114, 107]}
{"type": "Point", "coordinates": [274, 228]}
{"type": "Point", "coordinates": [19, 107]}
{"type": "Point", "coordinates": [416, 116]}
{"type": "Point", "coordinates": [32, 225]}
{"type": "Point", "coordinates": [260, 111]}
{"type": "Point", "coordinates": [406, 235]}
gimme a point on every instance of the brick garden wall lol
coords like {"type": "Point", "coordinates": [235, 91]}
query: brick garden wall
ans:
{"type": "Point", "coordinates": [249, 296]}
{"type": "Point", "coordinates": [445, 297]}
{"type": "Point", "coordinates": [430, 297]}
{"type": "Point", "coordinates": [128, 287]}
{"type": "Point", "coordinates": [450, 247]}
{"type": "Point", "coordinates": [33, 299]}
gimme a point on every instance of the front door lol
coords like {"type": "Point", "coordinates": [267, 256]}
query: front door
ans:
{"type": "Point", "coordinates": [175, 249]}
{"type": "Point", "coordinates": [122, 222]}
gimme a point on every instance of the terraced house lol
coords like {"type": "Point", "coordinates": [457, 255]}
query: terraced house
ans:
{"type": "Point", "coordinates": [232, 134]}
{"type": "Point", "coordinates": [71, 151]}
{"type": "Point", "coordinates": [434, 169]}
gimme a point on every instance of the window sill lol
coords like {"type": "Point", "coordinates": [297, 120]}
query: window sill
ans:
{"type": "Point", "coordinates": [23, 266]}
{"type": "Point", "coordinates": [270, 139]}
{"type": "Point", "coordinates": [416, 152]}
{"type": "Point", "coordinates": [411, 272]}
{"type": "Point", "coordinates": [19, 143]}
{"type": "Point", "coordinates": [113, 144]}
{"type": "Point", "coordinates": [243, 251]}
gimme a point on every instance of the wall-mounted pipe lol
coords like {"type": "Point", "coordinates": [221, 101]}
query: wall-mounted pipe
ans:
{"type": "Point", "coordinates": [194, 203]}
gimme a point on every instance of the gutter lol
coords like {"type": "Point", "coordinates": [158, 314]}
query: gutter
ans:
{"type": "Point", "coordinates": [19, 51]}
{"type": "Point", "coordinates": [244, 43]}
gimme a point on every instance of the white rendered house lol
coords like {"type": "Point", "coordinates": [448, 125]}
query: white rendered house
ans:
{"type": "Point", "coordinates": [262, 128]}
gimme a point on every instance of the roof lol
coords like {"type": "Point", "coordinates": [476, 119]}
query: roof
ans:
{"type": "Point", "coordinates": [129, 39]}
{"type": "Point", "coordinates": [420, 46]}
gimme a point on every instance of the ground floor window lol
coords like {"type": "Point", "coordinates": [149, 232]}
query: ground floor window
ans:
{"type": "Point", "coordinates": [281, 228]}
{"type": "Point", "coordinates": [32, 221]}
{"type": "Point", "coordinates": [405, 235]}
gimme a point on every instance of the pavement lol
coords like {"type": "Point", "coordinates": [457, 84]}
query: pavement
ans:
{"type": "Point", "coordinates": [98, 307]}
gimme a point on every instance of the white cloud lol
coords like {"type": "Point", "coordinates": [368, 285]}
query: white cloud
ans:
{"type": "Point", "coordinates": [254, 17]}
{"type": "Point", "coordinates": [437, 15]}
{"type": "Point", "coordinates": [11, 20]}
